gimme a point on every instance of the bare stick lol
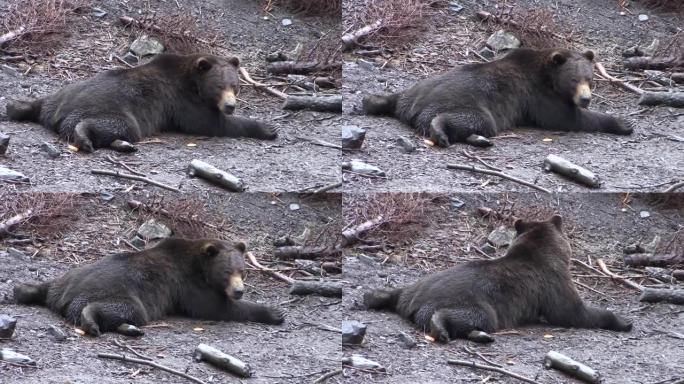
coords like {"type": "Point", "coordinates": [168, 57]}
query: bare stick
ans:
{"type": "Point", "coordinates": [11, 35]}
{"type": "Point", "coordinates": [132, 350]}
{"type": "Point", "coordinates": [149, 364]}
{"type": "Point", "coordinates": [672, 187]}
{"type": "Point", "coordinates": [7, 225]}
{"type": "Point", "coordinates": [557, 164]}
{"type": "Point", "coordinates": [478, 158]}
{"type": "Point", "coordinates": [350, 39]}
{"type": "Point", "coordinates": [270, 271]}
{"type": "Point", "coordinates": [133, 177]}
{"type": "Point", "coordinates": [352, 235]}
{"type": "Point", "coordinates": [219, 177]}
{"type": "Point", "coordinates": [121, 163]}
{"type": "Point", "coordinates": [670, 99]}
{"type": "Point", "coordinates": [314, 103]}
{"type": "Point", "coordinates": [502, 371]}
{"type": "Point", "coordinates": [326, 376]}
{"type": "Point", "coordinates": [674, 296]}
{"type": "Point", "coordinates": [573, 368]}
{"type": "Point", "coordinates": [261, 86]}
{"type": "Point", "coordinates": [622, 83]}
{"type": "Point", "coordinates": [326, 188]}
{"type": "Point", "coordinates": [318, 288]}
{"type": "Point", "coordinates": [213, 356]}
{"type": "Point", "coordinates": [614, 276]}
{"type": "Point", "coordinates": [496, 173]}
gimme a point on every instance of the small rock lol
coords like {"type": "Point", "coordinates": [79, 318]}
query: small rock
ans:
{"type": "Point", "coordinates": [56, 333]}
{"type": "Point", "coordinates": [353, 332]}
{"type": "Point", "coordinates": [406, 144]}
{"type": "Point", "coordinates": [488, 249]}
{"type": "Point", "coordinates": [50, 150]}
{"type": "Point", "coordinates": [130, 58]}
{"type": "Point", "coordinates": [360, 167]}
{"type": "Point", "coordinates": [406, 339]}
{"type": "Point", "coordinates": [138, 242]}
{"type": "Point", "coordinates": [7, 326]}
{"type": "Point", "coordinates": [4, 143]}
{"type": "Point", "coordinates": [502, 40]}
{"type": "Point", "coordinates": [644, 214]}
{"type": "Point", "coordinates": [367, 65]}
{"type": "Point", "coordinates": [501, 237]}
{"type": "Point", "coordinates": [152, 229]}
{"type": "Point", "coordinates": [106, 196]}
{"type": "Point", "coordinates": [10, 175]}
{"type": "Point", "coordinates": [145, 46]}
{"type": "Point", "coordinates": [455, 7]}
{"type": "Point", "coordinates": [361, 362]}
{"type": "Point", "coordinates": [456, 203]}
{"type": "Point", "coordinates": [352, 136]}
{"type": "Point", "coordinates": [286, 22]}
{"type": "Point", "coordinates": [17, 254]}
{"type": "Point", "coordinates": [487, 53]}
{"type": "Point", "coordinates": [294, 207]}
{"type": "Point", "coordinates": [10, 356]}
{"type": "Point", "coordinates": [98, 12]}
{"type": "Point", "coordinates": [129, 330]}
{"type": "Point", "coordinates": [643, 17]}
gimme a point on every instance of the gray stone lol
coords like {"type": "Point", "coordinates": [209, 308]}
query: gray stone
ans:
{"type": "Point", "coordinates": [10, 175]}
{"type": "Point", "coordinates": [10, 356]}
{"type": "Point", "coordinates": [130, 58]}
{"type": "Point", "coordinates": [488, 249]}
{"type": "Point", "coordinates": [294, 207]}
{"type": "Point", "coordinates": [501, 237]}
{"type": "Point", "coordinates": [487, 53]}
{"type": "Point", "coordinates": [362, 168]}
{"type": "Point", "coordinates": [480, 337]}
{"type": "Point", "coordinates": [152, 229]}
{"type": "Point", "coordinates": [50, 150]}
{"type": "Point", "coordinates": [98, 12]}
{"type": "Point", "coordinates": [138, 242]}
{"type": "Point", "coordinates": [286, 22]}
{"type": "Point", "coordinates": [644, 214]}
{"type": "Point", "coordinates": [4, 143]}
{"type": "Point", "coordinates": [406, 144]}
{"type": "Point", "coordinates": [455, 6]}
{"type": "Point", "coordinates": [361, 362]}
{"type": "Point", "coordinates": [643, 17]}
{"type": "Point", "coordinates": [17, 254]}
{"type": "Point", "coordinates": [367, 65]}
{"type": "Point", "coordinates": [145, 46]}
{"type": "Point", "coordinates": [502, 40]}
{"type": "Point", "coordinates": [56, 333]}
{"type": "Point", "coordinates": [352, 136]}
{"type": "Point", "coordinates": [7, 326]}
{"type": "Point", "coordinates": [130, 330]}
{"type": "Point", "coordinates": [353, 332]}
{"type": "Point", "coordinates": [406, 340]}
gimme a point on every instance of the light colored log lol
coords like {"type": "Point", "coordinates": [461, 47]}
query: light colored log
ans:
{"type": "Point", "coordinates": [559, 165]}
{"type": "Point", "coordinates": [221, 178]}
{"type": "Point", "coordinates": [573, 368]}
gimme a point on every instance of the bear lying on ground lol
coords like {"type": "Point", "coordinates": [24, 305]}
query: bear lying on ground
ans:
{"type": "Point", "coordinates": [195, 278]}
{"type": "Point", "coordinates": [549, 89]}
{"type": "Point", "coordinates": [192, 94]}
{"type": "Point", "coordinates": [531, 281]}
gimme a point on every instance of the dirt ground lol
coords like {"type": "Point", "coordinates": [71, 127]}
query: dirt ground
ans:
{"type": "Point", "coordinates": [648, 160]}
{"type": "Point", "coordinates": [290, 163]}
{"type": "Point", "coordinates": [296, 351]}
{"type": "Point", "coordinates": [598, 226]}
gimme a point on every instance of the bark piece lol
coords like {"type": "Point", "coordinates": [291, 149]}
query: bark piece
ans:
{"type": "Point", "coordinates": [351, 39]}
{"type": "Point", "coordinates": [314, 103]}
{"type": "Point", "coordinates": [671, 99]}
{"type": "Point", "coordinates": [299, 68]}
{"type": "Point", "coordinates": [559, 165]}
{"type": "Point", "coordinates": [353, 234]}
{"type": "Point", "coordinates": [221, 178]}
{"type": "Point", "coordinates": [653, 295]}
{"type": "Point", "coordinates": [215, 357]}
{"type": "Point", "coordinates": [318, 288]}
{"type": "Point", "coordinates": [653, 260]}
{"type": "Point", "coordinates": [648, 62]}
{"type": "Point", "coordinates": [305, 252]}
{"type": "Point", "coordinates": [573, 368]}
{"type": "Point", "coordinates": [4, 143]}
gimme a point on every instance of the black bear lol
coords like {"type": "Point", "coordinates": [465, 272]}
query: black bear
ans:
{"type": "Point", "coordinates": [192, 94]}
{"type": "Point", "coordinates": [530, 282]}
{"type": "Point", "coordinates": [549, 89]}
{"type": "Point", "coordinates": [194, 278]}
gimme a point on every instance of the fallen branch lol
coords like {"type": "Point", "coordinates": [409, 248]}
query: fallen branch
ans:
{"type": "Point", "coordinates": [315, 288]}
{"type": "Point", "coordinates": [215, 357]}
{"type": "Point", "coordinates": [602, 71]}
{"type": "Point", "coordinates": [648, 62]}
{"type": "Point", "coordinates": [270, 271]}
{"type": "Point", "coordinates": [480, 160]}
{"type": "Point", "coordinates": [673, 187]}
{"type": "Point", "coordinates": [149, 364]}
{"type": "Point", "coordinates": [221, 178]}
{"type": "Point", "coordinates": [623, 280]}
{"type": "Point", "coordinates": [492, 368]}
{"type": "Point", "coordinates": [559, 165]}
{"type": "Point", "coordinates": [261, 86]}
{"type": "Point", "coordinates": [7, 225]}
{"type": "Point", "coordinates": [304, 252]}
{"type": "Point", "coordinates": [573, 368]}
{"type": "Point", "coordinates": [326, 188]}
{"type": "Point", "coordinates": [671, 99]}
{"type": "Point", "coordinates": [326, 376]}
{"type": "Point", "coordinates": [11, 35]}
{"type": "Point", "coordinates": [353, 234]}
{"type": "Point", "coordinates": [314, 103]}
{"type": "Point", "coordinates": [121, 163]}
{"type": "Point", "coordinates": [133, 177]}
{"type": "Point", "coordinates": [300, 67]}
{"type": "Point", "coordinates": [652, 260]}
{"type": "Point", "coordinates": [496, 173]}
{"type": "Point", "coordinates": [352, 38]}
{"type": "Point", "coordinates": [652, 295]}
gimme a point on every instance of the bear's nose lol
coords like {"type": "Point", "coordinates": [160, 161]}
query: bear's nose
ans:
{"type": "Point", "coordinates": [228, 108]}
{"type": "Point", "coordinates": [237, 293]}
{"type": "Point", "coordinates": [584, 101]}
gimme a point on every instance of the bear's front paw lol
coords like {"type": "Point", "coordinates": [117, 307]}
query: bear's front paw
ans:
{"type": "Point", "coordinates": [268, 132]}
{"type": "Point", "coordinates": [274, 315]}
{"type": "Point", "coordinates": [623, 127]}
{"type": "Point", "coordinates": [622, 325]}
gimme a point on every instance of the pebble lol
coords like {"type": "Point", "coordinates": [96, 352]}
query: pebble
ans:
{"type": "Point", "coordinates": [406, 144]}
{"type": "Point", "coordinates": [7, 326]}
{"type": "Point", "coordinates": [286, 22]}
{"type": "Point", "coordinates": [50, 150]}
{"type": "Point", "coordinates": [152, 229]}
{"type": "Point", "coordinates": [56, 333]}
{"type": "Point", "coordinates": [352, 136]}
{"type": "Point", "coordinates": [643, 17]}
{"type": "Point", "coordinates": [406, 340]}
{"type": "Point", "coordinates": [294, 207]}
{"type": "Point", "coordinates": [353, 332]}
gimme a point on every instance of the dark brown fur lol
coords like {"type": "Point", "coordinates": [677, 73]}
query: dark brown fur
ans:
{"type": "Point", "coordinates": [170, 93]}
{"type": "Point", "coordinates": [194, 278]}
{"type": "Point", "coordinates": [527, 87]}
{"type": "Point", "coordinates": [530, 282]}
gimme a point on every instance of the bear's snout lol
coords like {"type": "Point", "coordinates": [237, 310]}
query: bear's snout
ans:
{"type": "Point", "coordinates": [236, 287]}
{"type": "Point", "coordinates": [583, 95]}
{"type": "Point", "coordinates": [227, 102]}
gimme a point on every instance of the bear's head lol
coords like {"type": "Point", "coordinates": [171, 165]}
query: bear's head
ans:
{"type": "Point", "coordinates": [223, 266]}
{"type": "Point", "coordinates": [571, 75]}
{"type": "Point", "coordinates": [543, 237]}
{"type": "Point", "coordinates": [217, 81]}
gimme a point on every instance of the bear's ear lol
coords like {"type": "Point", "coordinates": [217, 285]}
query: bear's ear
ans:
{"type": "Point", "coordinates": [589, 54]}
{"type": "Point", "coordinates": [519, 226]}
{"type": "Point", "coordinates": [203, 64]}
{"type": "Point", "coordinates": [240, 246]}
{"type": "Point", "coordinates": [234, 61]}
{"type": "Point", "coordinates": [557, 220]}
{"type": "Point", "coordinates": [558, 58]}
{"type": "Point", "coordinates": [210, 250]}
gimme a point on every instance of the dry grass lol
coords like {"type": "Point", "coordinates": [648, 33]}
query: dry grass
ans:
{"type": "Point", "coordinates": [329, 8]}
{"type": "Point", "coordinates": [44, 24]}
{"type": "Point", "coordinates": [45, 214]}
{"type": "Point", "coordinates": [189, 218]}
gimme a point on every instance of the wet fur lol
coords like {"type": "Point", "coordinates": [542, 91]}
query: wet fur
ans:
{"type": "Point", "coordinates": [530, 282]}
{"type": "Point", "coordinates": [170, 93]}
{"type": "Point", "coordinates": [177, 277]}
{"type": "Point", "coordinates": [527, 87]}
